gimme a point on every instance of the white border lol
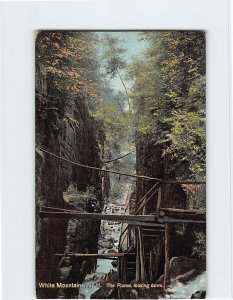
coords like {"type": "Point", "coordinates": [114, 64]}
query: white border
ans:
{"type": "Point", "coordinates": [19, 21]}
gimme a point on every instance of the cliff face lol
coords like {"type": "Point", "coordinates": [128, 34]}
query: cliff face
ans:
{"type": "Point", "coordinates": [73, 135]}
{"type": "Point", "coordinates": [150, 162]}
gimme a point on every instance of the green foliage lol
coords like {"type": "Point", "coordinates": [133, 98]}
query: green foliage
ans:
{"type": "Point", "coordinates": [80, 199]}
{"type": "Point", "coordinates": [199, 248]}
{"type": "Point", "coordinates": [72, 190]}
{"type": "Point", "coordinates": [116, 125]}
{"type": "Point", "coordinates": [169, 99]}
{"type": "Point", "coordinates": [114, 61]}
{"type": "Point", "coordinates": [40, 202]}
{"type": "Point", "coordinates": [186, 137]}
{"type": "Point", "coordinates": [67, 69]}
{"type": "Point", "coordinates": [196, 195]}
{"type": "Point", "coordinates": [69, 60]}
{"type": "Point", "coordinates": [113, 55]}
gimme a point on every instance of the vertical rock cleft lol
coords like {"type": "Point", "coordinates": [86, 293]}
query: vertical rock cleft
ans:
{"type": "Point", "coordinates": [73, 134]}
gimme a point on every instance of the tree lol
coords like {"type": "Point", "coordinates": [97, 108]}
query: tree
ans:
{"type": "Point", "coordinates": [68, 61]}
{"type": "Point", "coordinates": [169, 98]}
{"type": "Point", "coordinates": [114, 61]}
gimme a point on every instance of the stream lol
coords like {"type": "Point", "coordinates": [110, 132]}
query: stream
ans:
{"type": "Point", "coordinates": [178, 290]}
{"type": "Point", "coordinates": [108, 243]}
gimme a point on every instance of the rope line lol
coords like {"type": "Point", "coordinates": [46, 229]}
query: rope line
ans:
{"type": "Point", "coordinates": [108, 161]}
{"type": "Point", "coordinates": [99, 169]}
{"type": "Point", "coordinates": [118, 173]}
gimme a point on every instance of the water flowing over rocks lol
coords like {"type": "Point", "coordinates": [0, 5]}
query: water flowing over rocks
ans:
{"type": "Point", "coordinates": [179, 290]}
{"type": "Point", "coordinates": [108, 243]}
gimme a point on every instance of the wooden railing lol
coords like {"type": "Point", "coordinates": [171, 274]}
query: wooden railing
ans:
{"type": "Point", "coordinates": [137, 223]}
{"type": "Point", "coordinates": [147, 197]}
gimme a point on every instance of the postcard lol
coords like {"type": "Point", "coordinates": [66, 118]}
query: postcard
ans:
{"type": "Point", "coordinates": [120, 164]}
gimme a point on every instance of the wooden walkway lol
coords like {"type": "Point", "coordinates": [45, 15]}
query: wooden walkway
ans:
{"type": "Point", "coordinates": [95, 216]}
{"type": "Point", "coordinates": [164, 215]}
{"type": "Point", "coordinates": [142, 239]}
{"type": "Point", "coordinates": [96, 255]}
{"type": "Point", "coordinates": [149, 241]}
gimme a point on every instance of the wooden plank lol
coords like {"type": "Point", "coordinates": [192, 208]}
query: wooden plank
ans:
{"type": "Point", "coordinates": [169, 214]}
{"type": "Point", "coordinates": [150, 266]}
{"type": "Point", "coordinates": [148, 192]}
{"type": "Point", "coordinates": [172, 220]}
{"type": "Point", "coordinates": [124, 270]}
{"type": "Point", "coordinates": [137, 277]}
{"type": "Point", "coordinates": [118, 267]}
{"type": "Point", "coordinates": [96, 255]}
{"type": "Point", "coordinates": [97, 216]}
{"type": "Point", "coordinates": [148, 224]}
{"type": "Point", "coordinates": [179, 210]}
{"type": "Point", "coordinates": [141, 255]}
{"type": "Point", "coordinates": [145, 201]}
{"type": "Point", "coordinates": [157, 258]}
{"type": "Point", "coordinates": [153, 230]}
{"type": "Point", "coordinates": [154, 235]}
{"type": "Point", "coordinates": [167, 254]}
{"type": "Point", "coordinates": [159, 199]}
{"type": "Point", "coordinates": [49, 208]}
{"type": "Point", "coordinates": [184, 182]}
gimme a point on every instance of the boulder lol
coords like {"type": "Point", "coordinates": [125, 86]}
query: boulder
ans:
{"type": "Point", "coordinates": [199, 295]}
{"type": "Point", "coordinates": [65, 262]}
{"type": "Point", "coordinates": [99, 276]}
{"type": "Point", "coordinates": [64, 272]}
{"type": "Point", "coordinates": [89, 276]}
{"type": "Point", "coordinates": [107, 244]}
{"type": "Point", "coordinates": [111, 251]}
{"type": "Point", "coordinates": [180, 265]}
{"type": "Point", "coordinates": [187, 276]}
{"type": "Point", "coordinates": [114, 263]}
{"type": "Point", "coordinates": [104, 293]}
{"type": "Point", "coordinates": [160, 280]}
{"type": "Point", "coordinates": [111, 239]}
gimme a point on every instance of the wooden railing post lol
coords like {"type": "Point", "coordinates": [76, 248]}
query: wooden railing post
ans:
{"type": "Point", "coordinates": [142, 256]}
{"type": "Point", "coordinates": [124, 269]}
{"type": "Point", "coordinates": [137, 278]}
{"type": "Point", "coordinates": [119, 268]}
{"type": "Point", "coordinates": [159, 199]}
{"type": "Point", "coordinates": [167, 254]}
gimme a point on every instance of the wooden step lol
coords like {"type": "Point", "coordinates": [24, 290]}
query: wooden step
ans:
{"type": "Point", "coordinates": [153, 225]}
{"type": "Point", "coordinates": [154, 230]}
{"type": "Point", "coordinates": [96, 255]}
{"type": "Point", "coordinates": [151, 235]}
{"type": "Point", "coordinates": [97, 216]}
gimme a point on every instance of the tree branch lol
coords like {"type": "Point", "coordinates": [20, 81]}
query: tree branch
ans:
{"type": "Point", "coordinates": [108, 161]}
{"type": "Point", "coordinates": [126, 92]}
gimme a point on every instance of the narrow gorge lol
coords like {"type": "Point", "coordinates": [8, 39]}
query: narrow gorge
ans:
{"type": "Point", "coordinates": [120, 164]}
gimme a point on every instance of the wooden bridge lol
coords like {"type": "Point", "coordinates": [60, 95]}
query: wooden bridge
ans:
{"type": "Point", "coordinates": [142, 238]}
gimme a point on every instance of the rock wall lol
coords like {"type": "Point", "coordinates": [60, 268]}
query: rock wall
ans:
{"type": "Point", "coordinates": [150, 162]}
{"type": "Point", "coordinates": [74, 135]}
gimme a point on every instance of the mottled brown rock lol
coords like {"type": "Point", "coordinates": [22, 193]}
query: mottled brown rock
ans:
{"type": "Point", "coordinates": [181, 265]}
{"type": "Point", "coordinates": [74, 135]}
